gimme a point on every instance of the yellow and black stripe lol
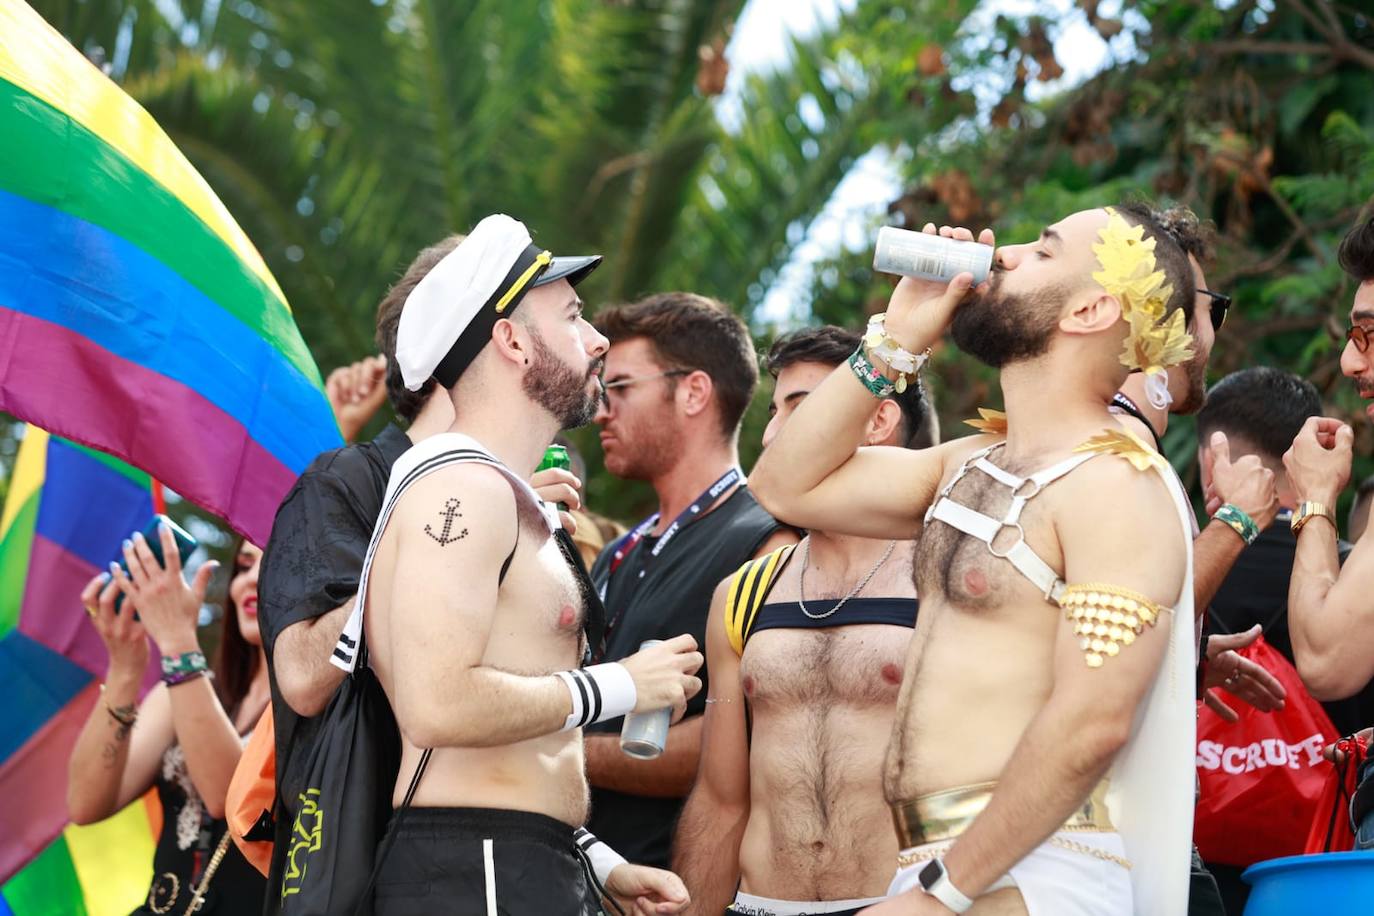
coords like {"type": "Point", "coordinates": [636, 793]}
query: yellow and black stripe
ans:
{"type": "Point", "coordinates": [749, 586]}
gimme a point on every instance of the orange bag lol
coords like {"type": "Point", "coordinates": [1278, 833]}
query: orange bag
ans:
{"type": "Point", "coordinates": [253, 793]}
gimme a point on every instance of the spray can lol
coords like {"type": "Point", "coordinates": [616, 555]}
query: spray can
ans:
{"type": "Point", "coordinates": [930, 257]}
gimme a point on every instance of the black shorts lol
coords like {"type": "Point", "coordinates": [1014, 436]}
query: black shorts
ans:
{"type": "Point", "coordinates": [482, 862]}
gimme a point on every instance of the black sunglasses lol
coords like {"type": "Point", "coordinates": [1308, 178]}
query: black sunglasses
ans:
{"type": "Point", "coordinates": [1221, 303]}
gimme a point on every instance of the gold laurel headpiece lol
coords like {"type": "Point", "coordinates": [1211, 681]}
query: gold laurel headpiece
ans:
{"type": "Point", "coordinates": [1127, 259]}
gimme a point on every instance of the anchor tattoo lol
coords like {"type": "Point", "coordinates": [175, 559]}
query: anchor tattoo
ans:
{"type": "Point", "coordinates": [450, 513]}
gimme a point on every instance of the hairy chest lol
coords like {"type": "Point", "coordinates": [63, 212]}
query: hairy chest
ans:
{"type": "Point", "coordinates": [968, 572]}
{"type": "Point", "coordinates": [856, 664]}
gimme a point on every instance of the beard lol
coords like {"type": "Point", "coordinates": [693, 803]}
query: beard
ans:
{"type": "Point", "coordinates": [1195, 371]}
{"type": "Point", "coordinates": [999, 328]}
{"type": "Point", "coordinates": [559, 388]}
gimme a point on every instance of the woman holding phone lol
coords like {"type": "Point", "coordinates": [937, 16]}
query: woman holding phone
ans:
{"type": "Point", "coordinates": [186, 737]}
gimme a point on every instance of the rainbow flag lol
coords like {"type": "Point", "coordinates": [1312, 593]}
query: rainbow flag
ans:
{"type": "Point", "coordinates": [135, 315]}
{"type": "Point", "coordinates": [67, 511]}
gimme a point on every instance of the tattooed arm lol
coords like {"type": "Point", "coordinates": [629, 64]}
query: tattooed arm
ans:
{"type": "Point", "coordinates": [116, 758]}
{"type": "Point", "coordinates": [435, 587]}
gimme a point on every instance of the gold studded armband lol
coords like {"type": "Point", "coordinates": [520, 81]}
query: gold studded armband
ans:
{"type": "Point", "coordinates": [1106, 617]}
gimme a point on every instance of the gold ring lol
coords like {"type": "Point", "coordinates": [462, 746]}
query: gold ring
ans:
{"type": "Point", "coordinates": [90, 611]}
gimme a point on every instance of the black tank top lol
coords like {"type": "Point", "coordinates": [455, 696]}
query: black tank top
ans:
{"type": "Point", "coordinates": [184, 849]}
{"type": "Point", "coordinates": [673, 596]}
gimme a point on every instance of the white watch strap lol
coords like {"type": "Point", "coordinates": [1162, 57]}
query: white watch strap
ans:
{"type": "Point", "coordinates": [944, 891]}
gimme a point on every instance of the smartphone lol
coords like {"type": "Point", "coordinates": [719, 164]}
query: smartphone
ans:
{"type": "Point", "coordinates": [186, 545]}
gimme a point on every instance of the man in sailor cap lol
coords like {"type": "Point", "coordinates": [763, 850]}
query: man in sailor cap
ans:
{"type": "Point", "coordinates": [476, 614]}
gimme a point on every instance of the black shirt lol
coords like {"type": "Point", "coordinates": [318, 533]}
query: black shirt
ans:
{"type": "Point", "coordinates": [311, 566]}
{"type": "Point", "coordinates": [1256, 591]}
{"type": "Point", "coordinates": [672, 596]}
{"type": "Point", "coordinates": [185, 847]}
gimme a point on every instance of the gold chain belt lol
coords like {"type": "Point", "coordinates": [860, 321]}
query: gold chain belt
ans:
{"type": "Point", "coordinates": [945, 815]}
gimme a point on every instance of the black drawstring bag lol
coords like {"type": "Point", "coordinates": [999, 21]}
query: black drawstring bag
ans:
{"type": "Point", "coordinates": [345, 807]}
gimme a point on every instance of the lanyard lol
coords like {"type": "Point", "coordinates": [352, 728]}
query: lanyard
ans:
{"type": "Point", "coordinates": [1126, 404]}
{"type": "Point", "coordinates": [626, 544]}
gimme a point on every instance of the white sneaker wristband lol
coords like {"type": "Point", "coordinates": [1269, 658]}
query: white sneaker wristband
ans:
{"type": "Point", "coordinates": [598, 693]}
{"type": "Point", "coordinates": [603, 858]}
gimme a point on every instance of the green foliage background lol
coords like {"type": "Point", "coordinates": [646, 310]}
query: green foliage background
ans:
{"type": "Point", "coordinates": [345, 135]}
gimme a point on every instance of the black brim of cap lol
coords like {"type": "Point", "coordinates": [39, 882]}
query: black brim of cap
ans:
{"type": "Point", "coordinates": [574, 269]}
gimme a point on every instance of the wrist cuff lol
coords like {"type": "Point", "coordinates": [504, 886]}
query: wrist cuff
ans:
{"type": "Point", "coordinates": [601, 857]}
{"type": "Point", "coordinates": [1239, 522]}
{"type": "Point", "coordinates": [598, 693]}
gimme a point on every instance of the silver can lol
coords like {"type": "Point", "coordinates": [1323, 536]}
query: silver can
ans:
{"type": "Point", "coordinates": [930, 257]}
{"type": "Point", "coordinates": [645, 734]}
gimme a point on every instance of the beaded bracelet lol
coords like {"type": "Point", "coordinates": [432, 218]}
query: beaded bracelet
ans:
{"type": "Point", "coordinates": [896, 357]}
{"type": "Point", "coordinates": [877, 384]}
{"type": "Point", "coordinates": [1239, 522]}
{"type": "Point", "coordinates": [186, 663]}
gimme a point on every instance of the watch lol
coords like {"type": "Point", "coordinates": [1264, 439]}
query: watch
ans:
{"type": "Point", "coordinates": [1308, 510]}
{"type": "Point", "coordinates": [935, 881]}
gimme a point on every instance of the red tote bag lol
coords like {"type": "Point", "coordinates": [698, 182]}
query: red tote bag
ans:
{"type": "Point", "coordinates": [1263, 776]}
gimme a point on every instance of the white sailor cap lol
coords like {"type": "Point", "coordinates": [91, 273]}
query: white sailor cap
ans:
{"type": "Point", "coordinates": [448, 317]}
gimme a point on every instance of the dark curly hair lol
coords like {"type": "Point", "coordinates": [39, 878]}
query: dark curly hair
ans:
{"type": "Point", "coordinates": [831, 346]}
{"type": "Point", "coordinates": [1356, 253]}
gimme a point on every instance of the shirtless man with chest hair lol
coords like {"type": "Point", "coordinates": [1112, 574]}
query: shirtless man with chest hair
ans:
{"type": "Point", "coordinates": [788, 802]}
{"type": "Point", "coordinates": [1041, 761]}
{"type": "Point", "coordinates": [476, 618]}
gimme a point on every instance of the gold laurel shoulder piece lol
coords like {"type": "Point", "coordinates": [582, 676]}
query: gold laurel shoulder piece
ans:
{"type": "Point", "coordinates": [1106, 618]}
{"type": "Point", "coordinates": [992, 422]}
{"type": "Point", "coordinates": [1124, 444]}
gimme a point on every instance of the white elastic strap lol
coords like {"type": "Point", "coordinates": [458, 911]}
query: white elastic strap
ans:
{"type": "Point", "coordinates": [603, 858]}
{"type": "Point", "coordinates": [598, 693]}
{"type": "Point", "coordinates": [985, 529]}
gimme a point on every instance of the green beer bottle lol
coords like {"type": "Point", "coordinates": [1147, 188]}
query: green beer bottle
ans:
{"type": "Point", "coordinates": [556, 456]}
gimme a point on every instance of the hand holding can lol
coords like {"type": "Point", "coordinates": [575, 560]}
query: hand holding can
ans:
{"type": "Point", "coordinates": [929, 256]}
{"type": "Point", "coordinates": [663, 672]}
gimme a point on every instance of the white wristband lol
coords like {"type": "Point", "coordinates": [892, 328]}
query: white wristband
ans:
{"type": "Point", "coordinates": [598, 693]}
{"type": "Point", "coordinates": [603, 858]}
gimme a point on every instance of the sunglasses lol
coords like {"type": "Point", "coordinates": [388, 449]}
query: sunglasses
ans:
{"type": "Point", "coordinates": [1221, 304]}
{"type": "Point", "coordinates": [1359, 337]}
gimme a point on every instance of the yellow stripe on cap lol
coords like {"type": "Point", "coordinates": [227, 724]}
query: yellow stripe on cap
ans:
{"type": "Point", "coordinates": [38, 60]}
{"type": "Point", "coordinates": [543, 260]}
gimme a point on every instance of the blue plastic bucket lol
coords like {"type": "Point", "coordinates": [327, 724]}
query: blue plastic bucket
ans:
{"type": "Point", "coordinates": [1336, 882]}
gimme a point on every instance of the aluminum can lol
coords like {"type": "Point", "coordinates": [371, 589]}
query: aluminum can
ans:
{"type": "Point", "coordinates": [645, 734]}
{"type": "Point", "coordinates": [930, 257]}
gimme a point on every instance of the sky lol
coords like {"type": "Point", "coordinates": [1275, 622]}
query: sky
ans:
{"type": "Point", "coordinates": [760, 44]}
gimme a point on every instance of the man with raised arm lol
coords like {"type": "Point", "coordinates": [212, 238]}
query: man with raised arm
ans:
{"type": "Point", "coordinates": [806, 645]}
{"type": "Point", "coordinates": [473, 610]}
{"type": "Point", "coordinates": [1042, 758]}
{"type": "Point", "coordinates": [1330, 616]}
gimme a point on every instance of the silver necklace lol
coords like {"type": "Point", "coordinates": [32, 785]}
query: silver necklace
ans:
{"type": "Point", "coordinates": [801, 584]}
